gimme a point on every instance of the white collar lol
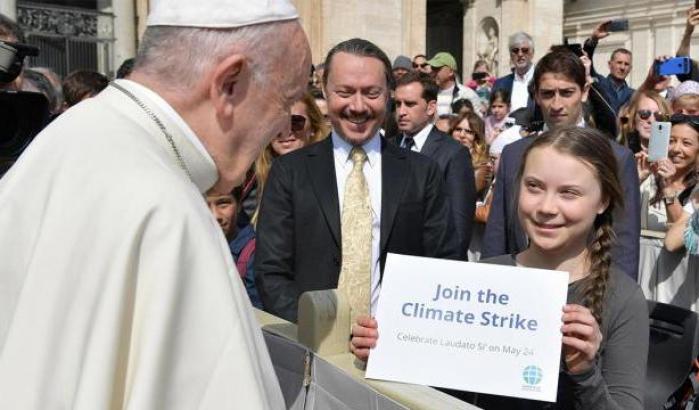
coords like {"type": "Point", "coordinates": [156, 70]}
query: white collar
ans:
{"type": "Point", "coordinates": [421, 137]}
{"type": "Point", "coordinates": [342, 148]}
{"type": "Point", "coordinates": [580, 124]}
{"type": "Point", "coordinates": [527, 76]}
{"type": "Point", "coordinates": [203, 170]}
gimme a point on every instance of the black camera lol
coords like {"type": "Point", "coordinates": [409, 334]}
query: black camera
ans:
{"type": "Point", "coordinates": [22, 114]}
{"type": "Point", "coordinates": [12, 59]}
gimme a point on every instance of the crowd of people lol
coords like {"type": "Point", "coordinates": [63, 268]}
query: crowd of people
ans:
{"type": "Point", "coordinates": [547, 167]}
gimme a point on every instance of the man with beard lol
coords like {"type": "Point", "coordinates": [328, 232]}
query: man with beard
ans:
{"type": "Point", "coordinates": [117, 288]}
{"type": "Point", "coordinates": [332, 211]}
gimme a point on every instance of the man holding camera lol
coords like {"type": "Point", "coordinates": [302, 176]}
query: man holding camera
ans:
{"type": "Point", "coordinates": [614, 85]}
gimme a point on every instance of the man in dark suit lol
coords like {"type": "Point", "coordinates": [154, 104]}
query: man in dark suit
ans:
{"type": "Point", "coordinates": [416, 104]}
{"type": "Point", "coordinates": [560, 89]}
{"type": "Point", "coordinates": [305, 239]}
{"type": "Point", "coordinates": [521, 47]}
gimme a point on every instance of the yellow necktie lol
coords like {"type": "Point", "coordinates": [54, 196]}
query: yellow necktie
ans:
{"type": "Point", "coordinates": [355, 273]}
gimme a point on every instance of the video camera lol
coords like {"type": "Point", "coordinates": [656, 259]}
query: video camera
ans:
{"type": "Point", "coordinates": [22, 114]}
{"type": "Point", "coordinates": [12, 59]}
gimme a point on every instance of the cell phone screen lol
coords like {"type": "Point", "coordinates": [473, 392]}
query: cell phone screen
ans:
{"type": "Point", "coordinates": [659, 141]}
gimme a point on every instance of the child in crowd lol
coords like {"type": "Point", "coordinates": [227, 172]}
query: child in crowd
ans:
{"type": "Point", "coordinates": [685, 98]}
{"type": "Point", "coordinates": [224, 207]}
{"type": "Point", "coordinates": [496, 121]}
{"type": "Point", "coordinates": [568, 191]}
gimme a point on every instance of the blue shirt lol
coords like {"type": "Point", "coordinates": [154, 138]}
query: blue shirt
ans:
{"type": "Point", "coordinates": [619, 92]}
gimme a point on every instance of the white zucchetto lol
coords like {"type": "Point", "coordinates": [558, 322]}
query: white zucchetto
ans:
{"type": "Point", "coordinates": [219, 13]}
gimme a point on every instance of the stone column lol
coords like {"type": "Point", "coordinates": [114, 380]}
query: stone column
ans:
{"type": "Point", "coordinates": [514, 17]}
{"type": "Point", "coordinates": [9, 8]}
{"type": "Point", "coordinates": [414, 30]}
{"type": "Point", "coordinates": [546, 24]}
{"type": "Point", "coordinates": [124, 30]}
{"type": "Point", "coordinates": [311, 18]}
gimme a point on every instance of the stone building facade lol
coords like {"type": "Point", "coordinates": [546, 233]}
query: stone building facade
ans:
{"type": "Point", "coordinates": [469, 29]}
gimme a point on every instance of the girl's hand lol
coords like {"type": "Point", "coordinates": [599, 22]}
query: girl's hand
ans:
{"type": "Point", "coordinates": [581, 338]}
{"type": "Point", "coordinates": [364, 335]}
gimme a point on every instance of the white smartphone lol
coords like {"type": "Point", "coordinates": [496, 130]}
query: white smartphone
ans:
{"type": "Point", "coordinates": [659, 141]}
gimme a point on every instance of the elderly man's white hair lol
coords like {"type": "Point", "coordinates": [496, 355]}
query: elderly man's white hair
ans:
{"type": "Point", "coordinates": [177, 57]}
{"type": "Point", "coordinates": [520, 37]}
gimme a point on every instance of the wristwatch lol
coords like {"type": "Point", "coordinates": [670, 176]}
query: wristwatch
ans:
{"type": "Point", "coordinates": [670, 199]}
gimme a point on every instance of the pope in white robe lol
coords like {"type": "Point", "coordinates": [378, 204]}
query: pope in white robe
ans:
{"type": "Point", "coordinates": [107, 290]}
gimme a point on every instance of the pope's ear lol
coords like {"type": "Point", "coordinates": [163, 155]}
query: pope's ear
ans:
{"type": "Point", "coordinates": [227, 81]}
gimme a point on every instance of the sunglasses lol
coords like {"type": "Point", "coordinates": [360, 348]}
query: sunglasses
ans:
{"type": "Point", "coordinates": [423, 65]}
{"type": "Point", "coordinates": [297, 122]}
{"type": "Point", "coordinates": [645, 114]}
{"type": "Point", "coordinates": [516, 50]}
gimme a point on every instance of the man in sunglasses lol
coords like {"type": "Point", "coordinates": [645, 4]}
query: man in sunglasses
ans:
{"type": "Point", "coordinates": [444, 70]}
{"type": "Point", "coordinates": [521, 47]}
{"type": "Point", "coordinates": [420, 64]}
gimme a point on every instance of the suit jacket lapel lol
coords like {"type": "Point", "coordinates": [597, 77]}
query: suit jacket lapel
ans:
{"type": "Point", "coordinates": [432, 142]}
{"type": "Point", "coordinates": [321, 172]}
{"type": "Point", "coordinates": [394, 176]}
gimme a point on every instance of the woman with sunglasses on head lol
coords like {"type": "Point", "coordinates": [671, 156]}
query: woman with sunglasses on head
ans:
{"type": "Point", "coordinates": [568, 190]}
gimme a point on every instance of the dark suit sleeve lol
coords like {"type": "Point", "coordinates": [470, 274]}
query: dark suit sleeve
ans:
{"type": "Point", "coordinates": [501, 83]}
{"type": "Point", "coordinates": [589, 47]}
{"type": "Point", "coordinates": [495, 236]}
{"type": "Point", "coordinates": [627, 223]}
{"type": "Point", "coordinates": [602, 110]}
{"type": "Point", "coordinates": [438, 238]}
{"type": "Point", "coordinates": [274, 254]}
{"type": "Point", "coordinates": [460, 186]}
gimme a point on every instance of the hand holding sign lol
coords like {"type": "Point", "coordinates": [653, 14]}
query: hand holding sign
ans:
{"type": "Point", "coordinates": [581, 338]}
{"type": "Point", "coordinates": [364, 335]}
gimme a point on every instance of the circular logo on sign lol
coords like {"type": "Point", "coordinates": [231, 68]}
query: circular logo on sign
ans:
{"type": "Point", "coordinates": [532, 375]}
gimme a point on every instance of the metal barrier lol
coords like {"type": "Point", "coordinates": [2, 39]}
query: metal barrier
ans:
{"type": "Point", "coordinates": [317, 371]}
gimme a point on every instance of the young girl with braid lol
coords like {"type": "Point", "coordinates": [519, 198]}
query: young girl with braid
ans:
{"type": "Point", "coordinates": [568, 191]}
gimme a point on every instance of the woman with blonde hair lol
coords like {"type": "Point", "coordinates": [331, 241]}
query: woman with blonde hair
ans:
{"type": "Point", "coordinates": [307, 126]}
{"type": "Point", "coordinates": [468, 129]}
{"type": "Point", "coordinates": [638, 115]}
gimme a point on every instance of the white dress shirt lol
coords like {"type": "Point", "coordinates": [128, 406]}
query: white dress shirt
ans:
{"type": "Point", "coordinates": [372, 174]}
{"type": "Point", "coordinates": [419, 139]}
{"type": "Point", "coordinates": [520, 92]}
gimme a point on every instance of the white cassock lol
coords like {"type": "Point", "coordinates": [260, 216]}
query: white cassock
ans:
{"type": "Point", "coordinates": [117, 288]}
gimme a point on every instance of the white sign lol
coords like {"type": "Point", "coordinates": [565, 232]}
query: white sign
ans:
{"type": "Point", "coordinates": [470, 326]}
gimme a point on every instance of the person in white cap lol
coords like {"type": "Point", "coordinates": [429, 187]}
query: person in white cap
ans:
{"type": "Point", "coordinates": [117, 289]}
